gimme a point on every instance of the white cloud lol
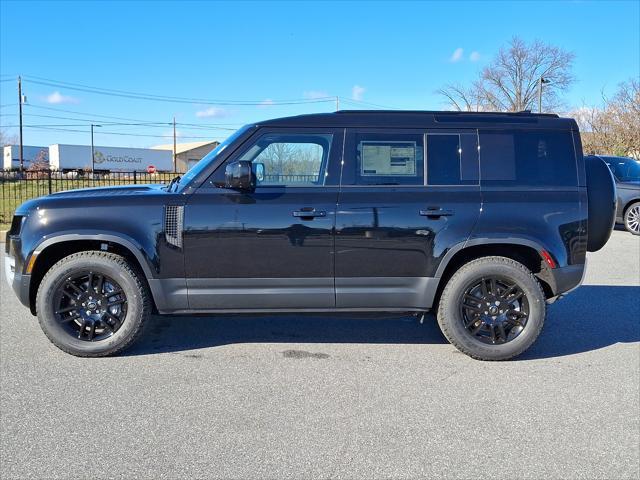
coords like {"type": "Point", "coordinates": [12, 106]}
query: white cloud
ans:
{"type": "Point", "coordinates": [267, 102]}
{"type": "Point", "coordinates": [475, 56]}
{"type": "Point", "coordinates": [456, 56]}
{"type": "Point", "coordinates": [315, 94]}
{"type": "Point", "coordinates": [57, 98]}
{"type": "Point", "coordinates": [357, 92]}
{"type": "Point", "coordinates": [212, 112]}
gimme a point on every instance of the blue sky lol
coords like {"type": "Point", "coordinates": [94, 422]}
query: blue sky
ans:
{"type": "Point", "coordinates": [395, 54]}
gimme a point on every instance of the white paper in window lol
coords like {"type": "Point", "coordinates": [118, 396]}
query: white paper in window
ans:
{"type": "Point", "coordinates": [388, 158]}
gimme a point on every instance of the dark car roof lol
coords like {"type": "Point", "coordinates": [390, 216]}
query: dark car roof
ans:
{"type": "Point", "coordinates": [423, 119]}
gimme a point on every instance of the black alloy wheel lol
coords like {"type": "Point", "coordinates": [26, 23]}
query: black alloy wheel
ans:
{"type": "Point", "coordinates": [494, 310]}
{"type": "Point", "coordinates": [93, 303]}
{"type": "Point", "coordinates": [91, 306]}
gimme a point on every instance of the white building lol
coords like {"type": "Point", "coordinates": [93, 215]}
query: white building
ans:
{"type": "Point", "coordinates": [188, 154]}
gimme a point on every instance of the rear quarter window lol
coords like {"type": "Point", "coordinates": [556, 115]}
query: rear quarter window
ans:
{"type": "Point", "coordinates": [527, 158]}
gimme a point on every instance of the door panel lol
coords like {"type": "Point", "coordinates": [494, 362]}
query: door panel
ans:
{"type": "Point", "coordinates": [396, 236]}
{"type": "Point", "coordinates": [382, 239]}
{"type": "Point", "coordinates": [270, 248]}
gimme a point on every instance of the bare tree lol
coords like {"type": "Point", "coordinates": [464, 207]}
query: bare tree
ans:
{"type": "Point", "coordinates": [511, 81]}
{"type": "Point", "coordinates": [6, 139]}
{"type": "Point", "coordinates": [614, 127]}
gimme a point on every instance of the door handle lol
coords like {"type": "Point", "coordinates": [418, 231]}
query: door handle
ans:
{"type": "Point", "coordinates": [436, 212]}
{"type": "Point", "coordinates": [309, 213]}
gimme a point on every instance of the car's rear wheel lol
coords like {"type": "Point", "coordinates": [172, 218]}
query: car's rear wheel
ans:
{"type": "Point", "coordinates": [632, 218]}
{"type": "Point", "coordinates": [92, 304]}
{"type": "Point", "coordinates": [493, 308]}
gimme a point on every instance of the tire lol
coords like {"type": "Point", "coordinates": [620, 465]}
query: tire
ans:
{"type": "Point", "coordinates": [602, 202]}
{"type": "Point", "coordinates": [112, 326]}
{"type": "Point", "coordinates": [632, 218]}
{"type": "Point", "coordinates": [519, 331]}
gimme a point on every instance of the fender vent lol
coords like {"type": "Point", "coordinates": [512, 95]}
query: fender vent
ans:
{"type": "Point", "coordinates": [173, 221]}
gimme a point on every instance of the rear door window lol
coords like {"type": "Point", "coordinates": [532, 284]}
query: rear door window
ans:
{"type": "Point", "coordinates": [527, 158]}
{"type": "Point", "coordinates": [452, 159]}
{"type": "Point", "coordinates": [381, 158]}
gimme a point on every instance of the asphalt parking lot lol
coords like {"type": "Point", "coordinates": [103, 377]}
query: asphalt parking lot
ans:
{"type": "Point", "coordinates": [326, 397]}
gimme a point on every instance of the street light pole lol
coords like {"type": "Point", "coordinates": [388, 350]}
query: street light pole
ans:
{"type": "Point", "coordinates": [175, 154]}
{"type": "Point", "coordinates": [93, 157]}
{"type": "Point", "coordinates": [20, 112]}
{"type": "Point", "coordinates": [541, 81]}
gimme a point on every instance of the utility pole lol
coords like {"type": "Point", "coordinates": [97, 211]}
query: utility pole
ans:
{"type": "Point", "coordinates": [20, 114]}
{"type": "Point", "coordinates": [174, 145]}
{"type": "Point", "coordinates": [337, 103]}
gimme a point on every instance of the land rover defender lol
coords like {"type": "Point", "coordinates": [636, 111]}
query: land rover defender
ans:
{"type": "Point", "coordinates": [483, 218]}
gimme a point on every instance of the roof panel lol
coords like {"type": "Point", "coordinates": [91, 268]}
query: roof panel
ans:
{"type": "Point", "coordinates": [423, 119]}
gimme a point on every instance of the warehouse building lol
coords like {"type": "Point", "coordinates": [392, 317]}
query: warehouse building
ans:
{"type": "Point", "coordinates": [188, 154]}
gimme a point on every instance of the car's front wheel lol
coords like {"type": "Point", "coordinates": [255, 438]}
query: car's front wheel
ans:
{"type": "Point", "coordinates": [92, 304]}
{"type": "Point", "coordinates": [632, 218]}
{"type": "Point", "coordinates": [492, 308]}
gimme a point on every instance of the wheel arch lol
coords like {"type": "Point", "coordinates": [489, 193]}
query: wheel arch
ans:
{"type": "Point", "coordinates": [53, 249]}
{"type": "Point", "coordinates": [521, 250]}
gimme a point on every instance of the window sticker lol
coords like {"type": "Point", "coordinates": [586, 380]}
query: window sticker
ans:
{"type": "Point", "coordinates": [387, 158]}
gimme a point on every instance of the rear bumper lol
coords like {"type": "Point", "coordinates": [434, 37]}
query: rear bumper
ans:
{"type": "Point", "coordinates": [565, 279]}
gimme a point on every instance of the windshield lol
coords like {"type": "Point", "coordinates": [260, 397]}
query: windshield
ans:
{"type": "Point", "coordinates": [210, 157]}
{"type": "Point", "coordinates": [625, 169]}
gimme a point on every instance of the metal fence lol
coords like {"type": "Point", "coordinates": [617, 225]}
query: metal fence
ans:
{"type": "Point", "coordinates": [17, 187]}
{"type": "Point", "coordinates": [290, 179]}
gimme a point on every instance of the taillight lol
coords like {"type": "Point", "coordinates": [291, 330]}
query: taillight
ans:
{"type": "Point", "coordinates": [548, 258]}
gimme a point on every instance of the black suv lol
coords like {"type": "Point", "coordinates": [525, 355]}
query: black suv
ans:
{"type": "Point", "coordinates": [483, 217]}
{"type": "Point", "coordinates": [627, 174]}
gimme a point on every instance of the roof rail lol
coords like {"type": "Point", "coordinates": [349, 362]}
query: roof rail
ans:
{"type": "Point", "coordinates": [447, 112]}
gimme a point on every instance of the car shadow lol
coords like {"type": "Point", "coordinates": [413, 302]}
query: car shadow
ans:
{"type": "Point", "coordinates": [590, 318]}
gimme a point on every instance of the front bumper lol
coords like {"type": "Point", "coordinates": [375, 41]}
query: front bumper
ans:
{"type": "Point", "coordinates": [19, 282]}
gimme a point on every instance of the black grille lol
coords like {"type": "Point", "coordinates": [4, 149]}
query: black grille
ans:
{"type": "Point", "coordinates": [173, 217]}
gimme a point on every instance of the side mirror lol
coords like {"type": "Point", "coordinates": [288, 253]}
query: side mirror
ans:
{"type": "Point", "coordinates": [258, 170]}
{"type": "Point", "coordinates": [239, 176]}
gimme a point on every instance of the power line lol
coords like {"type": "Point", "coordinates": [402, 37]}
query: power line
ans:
{"type": "Point", "coordinates": [145, 124]}
{"type": "Point", "coordinates": [165, 98]}
{"type": "Point", "coordinates": [361, 102]}
{"type": "Point", "coordinates": [189, 126]}
{"type": "Point", "coordinates": [102, 132]}
{"type": "Point", "coordinates": [55, 109]}
{"type": "Point", "coordinates": [114, 117]}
